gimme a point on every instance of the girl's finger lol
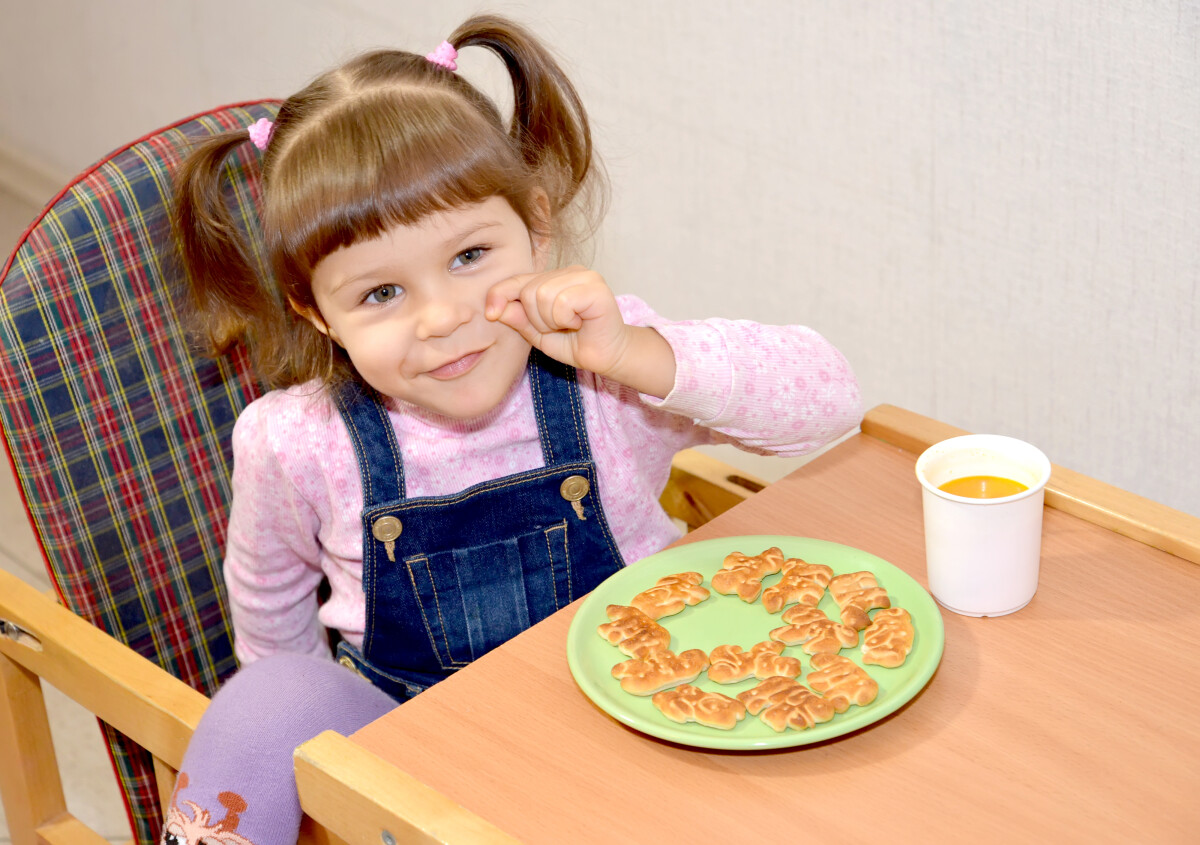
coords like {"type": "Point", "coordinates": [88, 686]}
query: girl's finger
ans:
{"type": "Point", "coordinates": [540, 296]}
{"type": "Point", "coordinates": [513, 316]}
{"type": "Point", "coordinates": [567, 306]}
{"type": "Point", "coordinates": [502, 293]}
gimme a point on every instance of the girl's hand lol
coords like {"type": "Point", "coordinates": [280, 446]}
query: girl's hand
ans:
{"type": "Point", "coordinates": [571, 315]}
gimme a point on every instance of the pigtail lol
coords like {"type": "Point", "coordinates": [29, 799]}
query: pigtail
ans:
{"type": "Point", "coordinates": [549, 124]}
{"type": "Point", "coordinates": [222, 287]}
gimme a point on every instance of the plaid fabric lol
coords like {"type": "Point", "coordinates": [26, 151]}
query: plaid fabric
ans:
{"type": "Point", "coordinates": [119, 437]}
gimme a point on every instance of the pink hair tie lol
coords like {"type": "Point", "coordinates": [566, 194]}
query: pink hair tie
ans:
{"type": "Point", "coordinates": [260, 132]}
{"type": "Point", "coordinates": [444, 56]}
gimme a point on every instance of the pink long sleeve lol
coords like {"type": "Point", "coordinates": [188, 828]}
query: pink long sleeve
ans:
{"type": "Point", "coordinates": [781, 390]}
{"type": "Point", "coordinates": [773, 390]}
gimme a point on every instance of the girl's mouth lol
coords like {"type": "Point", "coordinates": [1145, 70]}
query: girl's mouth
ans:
{"type": "Point", "coordinates": [456, 368]}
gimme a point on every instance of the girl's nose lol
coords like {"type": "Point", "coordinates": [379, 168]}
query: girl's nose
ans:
{"type": "Point", "coordinates": [441, 315]}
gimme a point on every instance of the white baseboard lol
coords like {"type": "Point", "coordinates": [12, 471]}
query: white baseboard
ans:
{"type": "Point", "coordinates": [28, 179]}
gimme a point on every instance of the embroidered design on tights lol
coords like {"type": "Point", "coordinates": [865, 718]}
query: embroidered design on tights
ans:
{"type": "Point", "coordinates": [180, 830]}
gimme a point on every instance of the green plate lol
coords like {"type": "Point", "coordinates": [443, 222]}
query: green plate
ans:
{"type": "Point", "coordinates": [727, 619]}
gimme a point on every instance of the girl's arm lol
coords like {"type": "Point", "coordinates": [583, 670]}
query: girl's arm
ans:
{"type": "Point", "coordinates": [781, 390]}
{"type": "Point", "coordinates": [272, 566]}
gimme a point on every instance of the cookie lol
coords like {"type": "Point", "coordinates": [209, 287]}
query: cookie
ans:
{"type": "Point", "coordinates": [888, 640]}
{"type": "Point", "coordinates": [633, 632]}
{"type": "Point", "coordinates": [670, 595]}
{"type": "Point", "coordinates": [728, 664]}
{"type": "Point", "coordinates": [687, 703]}
{"type": "Point", "coordinates": [855, 594]}
{"type": "Point", "coordinates": [815, 633]}
{"type": "Point", "coordinates": [841, 681]}
{"type": "Point", "coordinates": [801, 582]}
{"type": "Point", "coordinates": [783, 703]}
{"type": "Point", "coordinates": [742, 575]}
{"type": "Point", "coordinates": [659, 670]}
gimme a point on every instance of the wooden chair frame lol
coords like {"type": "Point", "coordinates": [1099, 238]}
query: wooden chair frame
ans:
{"type": "Point", "coordinates": [42, 640]}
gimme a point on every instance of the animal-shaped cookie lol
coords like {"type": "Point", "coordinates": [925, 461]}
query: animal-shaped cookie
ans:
{"type": "Point", "coordinates": [659, 670]}
{"type": "Point", "coordinates": [670, 595]}
{"type": "Point", "coordinates": [855, 594]}
{"type": "Point", "coordinates": [841, 681]}
{"type": "Point", "coordinates": [742, 575]}
{"type": "Point", "coordinates": [632, 631]}
{"type": "Point", "coordinates": [784, 703]}
{"type": "Point", "coordinates": [728, 664]}
{"type": "Point", "coordinates": [801, 581]}
{"type": "Point", "coordinates": [813, 631]}
{"type": "Point", "coordinates": [687, 703]}
{"type": "Point", "coordinates": [889, 638]}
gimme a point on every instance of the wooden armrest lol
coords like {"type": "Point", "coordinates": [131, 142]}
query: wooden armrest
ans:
{"type": "Point", "coordinates": [138, 698]}
{"type": "Point", "coordinates": [702, 487]}
{"type": "Point", "coordinates": [1071, 492]}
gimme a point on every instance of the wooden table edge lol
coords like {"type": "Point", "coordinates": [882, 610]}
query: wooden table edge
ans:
{"type": "Point", "coordinates": [363, 798]}
{"type": "Point", "coordinates": [1093, 501]}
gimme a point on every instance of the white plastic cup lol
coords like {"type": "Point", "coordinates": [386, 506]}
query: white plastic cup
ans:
{"type": "Point", "coordinates": [983, 555]}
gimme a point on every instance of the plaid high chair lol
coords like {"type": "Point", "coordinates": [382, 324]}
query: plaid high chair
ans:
{"type": "Point", "coordinates": [119, 437]}
{"type": "Point", "coordinates": [118, 433]}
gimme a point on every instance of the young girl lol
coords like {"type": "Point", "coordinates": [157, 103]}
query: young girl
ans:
{"type": "Point", "coordinates": [465, 437]}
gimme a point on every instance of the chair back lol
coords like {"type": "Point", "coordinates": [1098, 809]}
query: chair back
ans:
{"type": "Point", "coordinates": [118, 431]}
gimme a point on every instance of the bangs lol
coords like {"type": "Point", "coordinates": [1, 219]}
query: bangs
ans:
{"type": "Point", "coordinates": [385, 158]}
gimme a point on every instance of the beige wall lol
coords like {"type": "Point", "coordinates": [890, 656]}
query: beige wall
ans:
{"type": "Point", "coordinates": [991, 208]}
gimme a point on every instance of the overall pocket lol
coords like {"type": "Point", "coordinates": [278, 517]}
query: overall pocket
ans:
{"type": "Point", "coordinates": [474, 598]}
{"type": "Point", "coordinates": [397, 687]}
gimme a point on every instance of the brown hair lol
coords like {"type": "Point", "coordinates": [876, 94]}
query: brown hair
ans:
{"type": "Point", "coordinates": [385, 139]}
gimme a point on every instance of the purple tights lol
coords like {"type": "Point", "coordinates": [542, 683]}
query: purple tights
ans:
{"type": "Point", "coordinates": [236, 783]}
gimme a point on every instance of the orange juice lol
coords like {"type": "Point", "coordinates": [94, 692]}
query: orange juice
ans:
{"type": "Point", "coordinates": [983, 487]}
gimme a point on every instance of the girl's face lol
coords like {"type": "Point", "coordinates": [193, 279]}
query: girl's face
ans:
{"type": "Point", "coordinates": [408, 307]}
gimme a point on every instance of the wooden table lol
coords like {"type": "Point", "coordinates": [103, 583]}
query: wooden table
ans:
{"type": "Point", "coordinates": [1075, 719]}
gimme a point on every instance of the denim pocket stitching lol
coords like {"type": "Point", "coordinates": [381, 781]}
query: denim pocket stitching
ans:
{"type": "Point", "coordinates": [561, 526]}
{"type": "Point", "coordinates": [424, 561]}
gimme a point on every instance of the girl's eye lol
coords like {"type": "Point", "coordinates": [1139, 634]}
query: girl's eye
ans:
{"type": "Point", "coordinates": [468, 256]}
{"type": "Point", "coordinates": [382, 294]}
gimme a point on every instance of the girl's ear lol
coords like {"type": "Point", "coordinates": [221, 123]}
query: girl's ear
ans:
{"type": "Point", "coordinates": [314, 317]}
{"type": "Point", "coordinates": [539, 232]}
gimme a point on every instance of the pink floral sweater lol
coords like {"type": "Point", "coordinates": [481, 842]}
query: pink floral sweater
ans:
{"type": "Point", "coordinates": [781, 390]}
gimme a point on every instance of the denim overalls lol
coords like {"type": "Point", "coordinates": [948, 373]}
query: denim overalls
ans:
{"type": "Point", "coordinates": [448, 578]}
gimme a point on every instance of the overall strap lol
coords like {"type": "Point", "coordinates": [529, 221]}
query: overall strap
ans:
{"type": "Point", "coordinates": [558, 409]}
{"type": "Point", "coordinates": [379, 464]}
{"type": "Point", "coordinates": [556, 406]}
